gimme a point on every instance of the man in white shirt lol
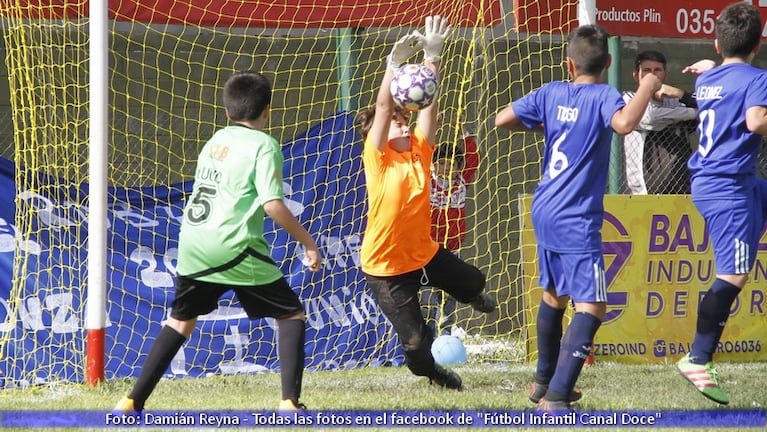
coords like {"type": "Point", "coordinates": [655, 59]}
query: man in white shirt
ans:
{"type": "Point", "coordinates": [656, 152]}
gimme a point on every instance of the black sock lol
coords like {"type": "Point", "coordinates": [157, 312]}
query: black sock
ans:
{"type": "Point", "coordinates": [290, 348]}
{"type": "Point", "coordinates": [712, 316]}
{"type": "Point", "coordinates": [164, 348]}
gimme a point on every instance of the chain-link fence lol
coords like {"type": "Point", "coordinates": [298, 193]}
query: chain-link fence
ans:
{"type": "Point", "coordinates": [655, 161]}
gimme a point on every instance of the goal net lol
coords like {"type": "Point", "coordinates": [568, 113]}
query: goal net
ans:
{"type": "Point", "coordinates": [167, 63]}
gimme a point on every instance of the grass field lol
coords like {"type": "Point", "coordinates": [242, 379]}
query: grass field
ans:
{"type": "Point", "coordinates": [606, 387]}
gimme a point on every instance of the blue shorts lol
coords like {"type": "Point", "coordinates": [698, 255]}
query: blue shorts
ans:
{"type": "Point", "coordinates": [735, 227]}
{"type": "Point", "coordinates": [578, 275]}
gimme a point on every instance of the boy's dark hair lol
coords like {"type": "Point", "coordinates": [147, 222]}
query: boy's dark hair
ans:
{"type": "Point", "coordinates": [649, 55]}
{"type": "Point", "coordinates": [246, 95]}
{"type": "Point", "coordinates": [366, 115]}
{"type": "Point", "coordinates": [587, 46]}
{"type": "Point", "coordinates": [738, 30]}
{"type": "Point", "coordinates": [448, 151]}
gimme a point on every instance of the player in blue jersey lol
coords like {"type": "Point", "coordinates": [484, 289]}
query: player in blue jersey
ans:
{"type": "Point", "coordinates": [732, 117]}
{"type": "Point", "coordinates": [577, 119]}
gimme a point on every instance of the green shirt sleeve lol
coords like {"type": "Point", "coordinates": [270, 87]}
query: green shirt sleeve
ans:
{"type": "Point", "coordinates": [268, 173]}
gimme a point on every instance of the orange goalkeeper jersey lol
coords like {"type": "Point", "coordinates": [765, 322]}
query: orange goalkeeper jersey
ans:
{"type": "Point", "coordinates": [398, 234]}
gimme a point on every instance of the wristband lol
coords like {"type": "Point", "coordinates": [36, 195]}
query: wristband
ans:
{"type": "Point", "coordinates": [391, 64]}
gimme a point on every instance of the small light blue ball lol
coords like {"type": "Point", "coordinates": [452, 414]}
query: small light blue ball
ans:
{"type": "Point", "coordinates": [448, 351]}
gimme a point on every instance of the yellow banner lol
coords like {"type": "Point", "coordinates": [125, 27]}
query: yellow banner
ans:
{"type": "Point", "coordinates": [658, 265]}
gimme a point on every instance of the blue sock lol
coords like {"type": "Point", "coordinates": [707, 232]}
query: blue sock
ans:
{"type": "Point", "coordinates": [549, 331]}
{"type": "Point", "coordinates": [712, 316]}
{"type": "Point", "coordinates": [576, 346]}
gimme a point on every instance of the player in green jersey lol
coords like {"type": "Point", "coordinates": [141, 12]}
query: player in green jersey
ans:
{"type": "Point", "coordinates": [222, 246]}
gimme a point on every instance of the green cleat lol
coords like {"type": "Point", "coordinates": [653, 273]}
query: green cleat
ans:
{"type": "Point", "coordinates": [703, 377]}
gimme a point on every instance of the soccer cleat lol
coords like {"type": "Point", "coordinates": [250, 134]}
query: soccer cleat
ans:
{"type": "Point", "coordinates": [537, 391]}
{"type": "Point", "coordinates": [125, 405]}
{"type": "Point", "coordinates": [290, 405]}
{"type": "Point", "coordinates": [552, 407]}
{"type": "Point", "coordinates": [484, 303]}
{"type": "Point", "coordinates": [703, 377]}
{"type": "Point", "coordinates": [446, 378]}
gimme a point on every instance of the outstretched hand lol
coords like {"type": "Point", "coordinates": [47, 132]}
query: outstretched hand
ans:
{"type": "Point", "coordinates": [700, 66]}
{"type": "Point", "coordinates": [403, 49]}
{"type": "Point", "coordinates": [436, 31]}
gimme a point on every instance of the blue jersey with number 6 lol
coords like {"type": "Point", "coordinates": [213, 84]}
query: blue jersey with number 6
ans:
{"type": "Point", "coordinates": [568, 204]}
{"type": "Point", "coordinates": [727, 148]}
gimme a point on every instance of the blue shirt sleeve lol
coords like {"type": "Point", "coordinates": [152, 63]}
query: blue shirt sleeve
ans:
{"type": "Point", "coordinates": [756, 92]}
{"type": "Point", "coordinates": [530, 108]}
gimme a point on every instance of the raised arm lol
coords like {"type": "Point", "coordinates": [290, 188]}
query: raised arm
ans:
{"type": "Point", "coordinates": [436, 31]}
{"type": "Point", "coordinates": [700, 66]}
{"type": "Point", "coordinates": [625, 119]}
{"type": "Point", "coordinates": [403, 49]}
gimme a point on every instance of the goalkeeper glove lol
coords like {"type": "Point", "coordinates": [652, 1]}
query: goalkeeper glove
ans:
{"type": "Point", "coordinates": [403, 49]}
{"type": "Point", "coordinates": [435, 33]}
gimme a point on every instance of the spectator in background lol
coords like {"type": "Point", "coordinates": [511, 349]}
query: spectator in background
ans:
{"type": "Point", "coordinates": [656, 152]}
{"type": "Point", "coordinates": [453, 169]}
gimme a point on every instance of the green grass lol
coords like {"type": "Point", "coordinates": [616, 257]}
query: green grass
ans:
{"type": "Point", "coordinates": [606, 386]}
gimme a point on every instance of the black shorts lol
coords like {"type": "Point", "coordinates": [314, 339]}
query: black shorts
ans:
{"type": "Point", "coordinates": [195, 298]}
{"type": "Point", "coordinates": [446, 271]}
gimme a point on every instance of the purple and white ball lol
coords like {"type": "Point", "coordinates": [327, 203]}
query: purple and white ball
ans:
{"type": "Point", "coordinates": [414, 87]}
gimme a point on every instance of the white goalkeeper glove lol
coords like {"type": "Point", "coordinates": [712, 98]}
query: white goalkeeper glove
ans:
{"type": "Point", "coordinates": [404, 49]}
{"type": "Point", "coordinates": [436, 31]}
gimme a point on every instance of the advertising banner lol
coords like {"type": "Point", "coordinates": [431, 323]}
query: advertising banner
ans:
{"type": "Point", "coordinates": [658, 265]}
{"type": "Point", "coordinates": [691, 19]}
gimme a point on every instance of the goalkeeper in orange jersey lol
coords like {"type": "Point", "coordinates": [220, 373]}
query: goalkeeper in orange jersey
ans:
{"type": "Point", "coordinates": [221, 246]}
{"type": "Point", "coordinates": [399, 257]}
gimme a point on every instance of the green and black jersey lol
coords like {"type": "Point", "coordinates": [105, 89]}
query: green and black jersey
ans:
{"type": "Point", "coordinates": [222, 232]}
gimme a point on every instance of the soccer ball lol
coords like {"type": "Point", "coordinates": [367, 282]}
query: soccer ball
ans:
{"type": "Point", "coordinates": [414, 87]}
{"type": "Point", "coordinates": [448, 350]}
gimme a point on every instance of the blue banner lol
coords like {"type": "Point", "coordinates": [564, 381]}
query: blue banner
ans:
{"type": "Point", "coordinates": [390, 419]}
{"type": "Point", "coordinates": [324, 188]}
